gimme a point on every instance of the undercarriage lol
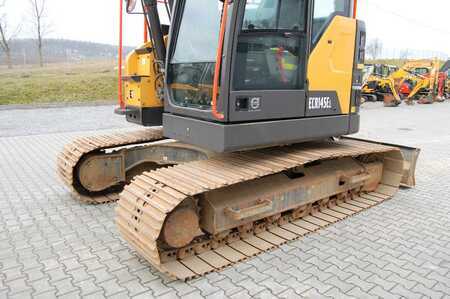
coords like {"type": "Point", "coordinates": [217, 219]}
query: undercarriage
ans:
{"type": "Point", "coordinates": [189, 211]}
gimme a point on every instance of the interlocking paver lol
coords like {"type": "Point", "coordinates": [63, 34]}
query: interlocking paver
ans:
{"type": "Point", "coordinates": [157, 287]}
{"type": "Point", "coordinates": [358, 293]}
{"type": "Point", "coordinates": [382, 293]}
{"type": "Point", "coordinates": [278, 275]}
{"type": "Point", "coordinates": [443, 289]}
{"type": "Point", "coordinates": [145, 275]}
{"type": "Point", "coordinates": [343, 286]}
{"type": "Point", "coordinates": [181, 288]}
{"type": "Point", "coordinates": [95, 295]}
{"type": "Point", "coordinates": [242, 294]}
{"type": "Point", "coordinates": [14, 273]}
{"type": "Point", "coordinates": [364, 285]}
{"type": "Point", "coordinates": [170, 295]}
{"type": "Point", "coordinates": [405, 292]}
{"type": "Point", "coordinates": [19, 285]}
{"type": "Point", "coordinates": [320, 286]}
{"type": "Point", "coordinates": [266, 294]}
{"type": "Point", "coordinates": [341, 264]}
{"type": "Point", "coordinates": [252, 287]}
{"type": "Point", "coordinates": [372, 268]}
{"type": "Point", "coordinates": [111, 287]}
{"type": "Point", "coordinates": [313, 293]}
{"type": "Point", "coordinates": [235, 276]}
{"type": "Point", "coordinates": [317, 273]}
{"type": "Point", "coordinates": [101, 275]}
{"type": "Point", "coordinates": [42, 286]}
{"type": "Point", "coordinates": [335, 271]}
{"type": "Point", "coordinates": [52, 245]}
{"type": "Point", "coordinates": [71, 295]}
{"type": "Point", "coordinates": [221, 294]}
{"type": "Point", "coordinates": [193, 295]}
{"type": "Point", "coordinates": [64, 286]}
{"type": "Point", "coordinates": [45, 295]}
{"type": "Point", "coordinates": [427, 292]}
{"type": "Point", "coordinates": [228, 286]}
{"type": "Point", "coordinates": [422, 280]}
{"type": "Point", "coordinates": [88, 287]}
{"type": "Point", "coordinates": [274, 287]}
{"type": "Point", "coordinates": [440, 278]}
{"type": "Point", "coordinates": [297, 285]}
{"type": "Point", "coordinates": [34, 274]}
{"type": "Point", "coordinates": [288, 294]}
{"type": "Point", "coordinates": [205, 287]}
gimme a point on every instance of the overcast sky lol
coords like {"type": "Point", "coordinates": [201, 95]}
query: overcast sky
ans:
{"type": "Point", "coordinates": [422, 26]}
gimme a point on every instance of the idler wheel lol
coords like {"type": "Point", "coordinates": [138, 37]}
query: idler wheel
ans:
{"type": "Point", "coordinates": [181, 227]}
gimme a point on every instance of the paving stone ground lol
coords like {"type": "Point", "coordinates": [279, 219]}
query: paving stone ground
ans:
{"type": "Point", "coordinates": [51, 245]}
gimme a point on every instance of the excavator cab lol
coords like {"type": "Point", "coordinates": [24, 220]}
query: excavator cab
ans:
{"type": "Point", "coordinates": [256, 78]}
{"type": "Point", "coordinates": [247, 74]}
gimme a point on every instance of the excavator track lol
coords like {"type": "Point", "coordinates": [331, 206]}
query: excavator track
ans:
{"type": "Point", "coordinates": [154, 200]}
{"type": "Point", "coordinates": [75, 152]}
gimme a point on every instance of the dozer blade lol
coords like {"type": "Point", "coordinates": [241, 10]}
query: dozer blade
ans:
{"type": "Point", "coordinates": [191, 219]}
{"type": "Point", "coordinates": [410, 156]}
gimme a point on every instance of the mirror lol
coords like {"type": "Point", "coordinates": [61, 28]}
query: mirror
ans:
{"type": "Point", "coordinates": [131, 5]}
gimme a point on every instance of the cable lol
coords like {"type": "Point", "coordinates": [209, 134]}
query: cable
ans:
{"type": "Point", "coordinates": [410, 20]}
{"type": "Point", "coordinates": [167, 10]}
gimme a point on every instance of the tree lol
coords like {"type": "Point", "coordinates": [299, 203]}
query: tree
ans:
{"type": "Point", "coordinates": [374, 48]}
{"type": "Point", "coordinates": [40, 26]}
{"type": "Point", "coordinates": [5, 37]}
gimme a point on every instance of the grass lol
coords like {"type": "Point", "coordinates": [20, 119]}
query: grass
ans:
{"type": "Point", "coordinates": [56, 83]}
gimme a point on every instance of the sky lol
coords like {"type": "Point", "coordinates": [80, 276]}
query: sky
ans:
{"type": "Point", "coordinates": [422, 27]}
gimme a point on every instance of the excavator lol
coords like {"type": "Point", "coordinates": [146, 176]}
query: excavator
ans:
{"type": "Point", "coordinates": [418, 80]}
{"type": "Point", "coordinates": [444, 86]}
{"type": "Point", "coordinates": [245, 105]}
{"type": "Point", "coordinates": [378, 85]}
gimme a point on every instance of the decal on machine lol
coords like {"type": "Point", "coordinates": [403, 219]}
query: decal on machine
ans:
{"type": "Point", "coordinates": [255, 103]}
{"type": "Point", "coordinates": [322, 103]}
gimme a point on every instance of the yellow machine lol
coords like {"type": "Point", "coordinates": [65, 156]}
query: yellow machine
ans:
{"type": "Point", "coordinates": [379, 85]}
{"type": "Point", "coordinates": [253, 98]}
{"type": "Point", "coordinates": [414, 81]}
{"type": "Point", "coordinates": [418, 80]}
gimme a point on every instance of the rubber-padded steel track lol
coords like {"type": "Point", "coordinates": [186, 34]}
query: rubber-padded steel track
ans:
{"type": "Point", "coordinates": [149, 199]}
{"type": "Point", "coordinates": [74, 152]}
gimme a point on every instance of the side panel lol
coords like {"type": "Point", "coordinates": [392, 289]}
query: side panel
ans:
{"type": "Point", "coordinates": [140, 77]}
{"type": "Point", "coordinates": [243, 136]}
{"type": "Point", "coordinates": [140, 83]}
{"type": "Point", "coordinates": [330, 66]}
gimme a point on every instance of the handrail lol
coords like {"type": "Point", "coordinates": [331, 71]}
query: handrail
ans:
{"type": "Point", "coordinates": [216, 114]}
{"type": "Point", "coordinates": [145, 30]}
{"type": "Point", "coordinates": [120, 95]}
{"type": "Point", "coordinates": [355, 6]}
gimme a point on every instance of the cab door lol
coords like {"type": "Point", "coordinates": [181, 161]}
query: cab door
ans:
{"type": "Point", "coordinates": [269, 61]}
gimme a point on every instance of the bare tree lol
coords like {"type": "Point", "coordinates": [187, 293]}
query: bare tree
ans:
{"type": "Point", "coordinates": [5, 36]}
{"type": "Point", "coordinates": [375, 48]}
{"type": "Point", "coordinates": [40, 26]}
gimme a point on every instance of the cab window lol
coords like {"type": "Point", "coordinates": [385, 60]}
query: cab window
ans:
{"type": "Point", "coordinates": [324, 11]}
{"type": "Point", "coordinates": [271, 45]}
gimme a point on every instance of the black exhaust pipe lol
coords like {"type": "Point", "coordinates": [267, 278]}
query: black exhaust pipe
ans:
{"type": "Point", "coordinates": [151, 12]}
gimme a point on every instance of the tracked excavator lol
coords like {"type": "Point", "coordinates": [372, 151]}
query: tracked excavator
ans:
{"type": "Point", "coordinates": [246, 103]}
{"type": "Point", "coordinates": [378, 84]}
{"type": "Point", "coordinates": [418, 80]}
